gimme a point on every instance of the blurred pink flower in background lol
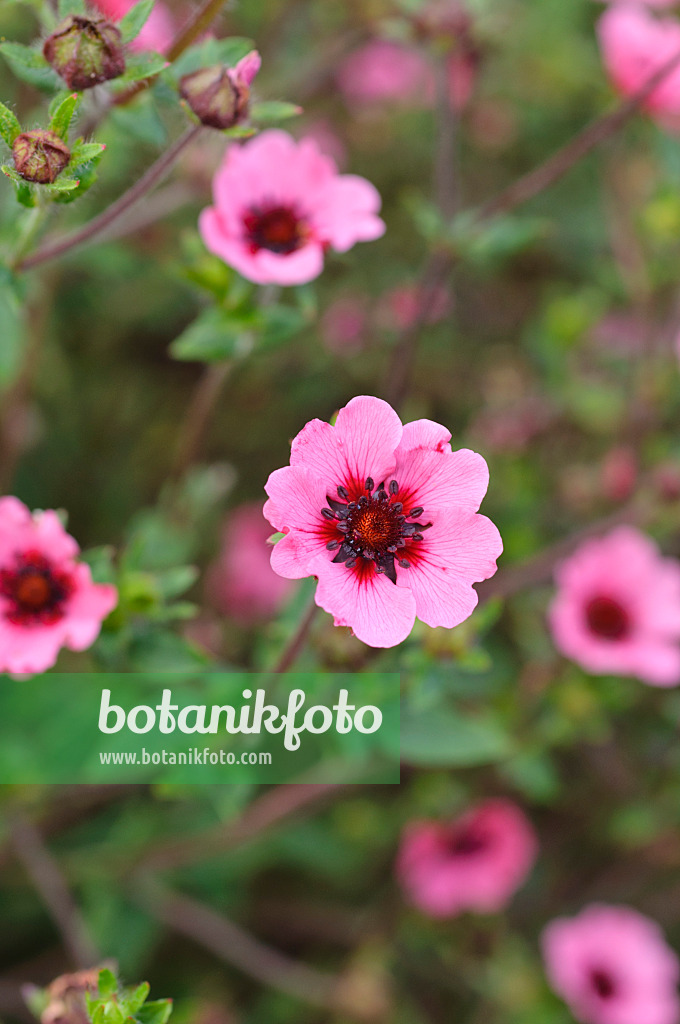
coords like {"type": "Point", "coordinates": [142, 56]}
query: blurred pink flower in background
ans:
{"type": "Point", "coordinates": [382, 71]}
{"type": "Point", "coordinates": [343, 325]}
{"type": "Point", "coordinates": [619, 473]}
{"type": "Point", "coordinates": [612, 965]}
{"type": "Point", "coordinates": [635, 44]}
{"type": "Point", "coordinates": [158, 32]}
{"type": "Point", "coordinates": [279, 204]}
{"type": "Point", "coordinates": [47, 598]}
{"type": "Point", "coordinates": [475, 863]}
{"type": "Point", "coordinates": [241, 583]}
{"type": "Point", "coordinates": [384, 516]}
{"type": "Point", "coordinates": [328, 141]}
{"type": "Point", "coordinates": [617, 608]}
{"type": "Point", "coordinates": [401, 306]}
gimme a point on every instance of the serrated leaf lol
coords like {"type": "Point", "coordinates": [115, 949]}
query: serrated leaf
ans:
{"type": "Point", "coordinates": [140, 66]}
{"type": "Point", "coordinates": [106, 982]}
{"type": "Point", "coordinates": [86, 179]}
{"type": "Point", "coordinates": [57, 100]}
{"type": "Point", "coordinates": [9, 125]}
{"type": "Point", "coordinates": [134, 21]}
{"type": "Point", "coordinates": [24, 193]}
{"type": "Point", "coordinates": [63, 115]}
{"type": "Point", "coordinates": [273, 111]}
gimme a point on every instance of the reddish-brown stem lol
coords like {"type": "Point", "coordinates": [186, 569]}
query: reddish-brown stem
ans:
{"type": "Point", "coordinates": [297, 641]}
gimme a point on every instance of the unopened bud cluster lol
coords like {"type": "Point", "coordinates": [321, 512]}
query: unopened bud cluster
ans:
{"type": "Point", "coordinates": [40, 156]}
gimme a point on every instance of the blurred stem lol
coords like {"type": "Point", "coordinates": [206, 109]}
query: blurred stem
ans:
{"type": "Point", "coordinates": [33, 224]}
{"type": "Point", "coordinates": [46, 876]}
{"type": "Point", "coordinates": [276, 805]}
{"type": "Point", "coordinates": [236, 947]}
{"type": "Point", "coordinates": [110, 215]}
{"type": "Point", "coordinates": [298, 640]}
{"type": "Point", "coordinates": [198, 414]}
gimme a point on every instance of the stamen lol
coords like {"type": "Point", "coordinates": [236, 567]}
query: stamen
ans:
{"type": "Point", "coordinates": [332, 545]}
{"type": "Point", "coordinates": [415, 512]}
{"type": "Point", "coordinates": [404, 564]}
{"type": "Point", "coordinates": [394, 487]}
{"type": "Point", "coordinates": [327, 514]}
{"type": "Point", "coordinates": [343, 493]}
{"type": "Point", "coordinates": [369, 484]}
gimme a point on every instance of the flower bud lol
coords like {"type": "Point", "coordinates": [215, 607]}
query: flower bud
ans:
{"type": "Point", "coordinates": [40, 156]}
{"type": "Point", "coordinates": [85, 51]}
{"type": "Point", "coordinates": [219, 96]}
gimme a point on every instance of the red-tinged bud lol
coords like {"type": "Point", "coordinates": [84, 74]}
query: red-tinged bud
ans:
{"type": "Point", "coordinates": [40, 156]}
{"type": "Point", "coordinates": [85, 51]}
{"type": "Point", "coordinates": [219, 96]}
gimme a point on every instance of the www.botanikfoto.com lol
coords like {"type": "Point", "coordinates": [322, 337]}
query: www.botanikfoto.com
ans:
{"type": "Point", "coordinates": [191, 756]}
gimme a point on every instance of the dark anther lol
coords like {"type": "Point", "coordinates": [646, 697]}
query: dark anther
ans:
{"type": "Point", "coordinates": [415, 512]}
{"type": "Point", "coordinates": [394, 487]}
{"type": "Point", "coordinates": [343, 527]}
{"type": "Point", "coordinates": [404, 564]}
{"type": "Point", "coordinates": [363, 500]}
{"type": "Point", "coordinates": [417, 536]}
{"type": "Point", "coordinates": [381, 495]}
{"type": "Point", "coordinates": [369, 484]}
{"type": "Point", "coordinates": [350, 563]}
{"type": "Point", "coordinates": [343, 493]}
{"type": "Point", "coordinates": [397, 506]}
{"type": "Point", "coordinates": [327, 514]}
{"type": "Point", "coordinates": [332, 545]}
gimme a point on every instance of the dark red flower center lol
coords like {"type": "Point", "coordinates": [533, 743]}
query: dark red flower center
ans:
{"type": "Point", "coordinates": [372, 529]}
{"type": "Point", "coordinates": [467, 841]}
{"type": "Point", "coordinates": [602, 982]}
{"type": "Point", "coordinates": [280, 229]}
{"type": "Point", "coordinates": [35, 590]}
{"type": "Point", "coordinates": [607, 619]}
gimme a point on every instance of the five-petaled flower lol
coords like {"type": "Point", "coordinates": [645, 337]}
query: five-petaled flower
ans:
{"type": "Point", "coordinates": [617, 609]}
{"type": "Point", "coordinates": [476, 862]}
{"type": "Point", "coordinates": [47, 598]}
{"type": "Point", "coordinates": [280, 204]}
{"type": "Point", "coordinates": [385, 516]}
{"type": "Point", "coordinates": [612, 966]}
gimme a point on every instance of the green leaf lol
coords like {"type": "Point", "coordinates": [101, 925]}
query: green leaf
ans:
{"type": "Point", "coordinates": [25, 194]}
{"type": "Point", "coordinates": [444, 738]}
{"type": "Point", "coordinates": [107, 982]}
{"type": "Point", "coordinates": [13, 339]}
{"type": "Point", "coordinates": [142, 65]}
{"type": "Point", "coordinates": [84, 152]}
{"type": "Point", "coordinates": [86, 179]}
{"type": "Point", "coordinates": [63, 115]}
{"type": "Point", "coordinates": [273, 110]}
{"type": "Point", "coordinates": [137, 998]}
{"type": "Point", "coordinates": [215, 335]}
{"type": "Point", "coordinates": [67, 7]}
{"type": "Point", "coordinates": [62, 185]}
{"type": "Point", "coordinates": [28, 64]}
{"type": "Point", "coordinates": [156, 1012]}
{"type": "Point", "coordinates": [9, 125]}
{"type": "Point", "coordinates": [279, 323]}
{"type": "Point", "coordinates": [212, 51]}
{"type": "Point", "coordinates": [134, 21]}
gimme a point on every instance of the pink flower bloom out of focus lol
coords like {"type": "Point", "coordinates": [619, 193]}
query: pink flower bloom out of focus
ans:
{"type": "Point", "coordinates": [383, 71]}
{"type": "Point", "coordinates": [384, 516]}
{"type": "Point", "coordinates": [475, 863]}
{"type": "Point", "coordinates": [635, 44]}
{"type": "Point", "coordinates": [47, 598]}
{"type": "Point", "coordinates": [158, 32]}
{"type": "Point", "coordinates": [279, 204]}
{"type": "Point", "coordinates": [242, 582]}
{"type": "Point", "coordinates": [613, 966]}
{"type": "Point", "coordinates": [617, 608]}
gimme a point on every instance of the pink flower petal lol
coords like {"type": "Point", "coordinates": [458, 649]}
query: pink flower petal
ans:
{"type": "Point", "coordinates": [379, 614]}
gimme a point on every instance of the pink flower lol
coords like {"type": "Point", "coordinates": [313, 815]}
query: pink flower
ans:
{"type": "Point", "coordinates": [382, 71]}
{"type": "Point", "coordinates": [158, 32]}
{"type": "Point", "coordinates": [242, 583]}
{"type": "Point", "coordinates": [634, 45]}
{"type": "Point", "coordinates": [401, 307]}
{"type": "Point", "coordinates": [279, 204]}
{"type": "Point", "coordinates": [612, 966]}
{"type": "Point", "coordinates": [385, 516]}
{"type": "Point", "coordinates": [475, 863]}
{"type": "Point", "coordinates": [47, 598]}
{"type": "Point", "coordinates": [617, 608]}
{"type": "Point", "coordinates": [343, 325]}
